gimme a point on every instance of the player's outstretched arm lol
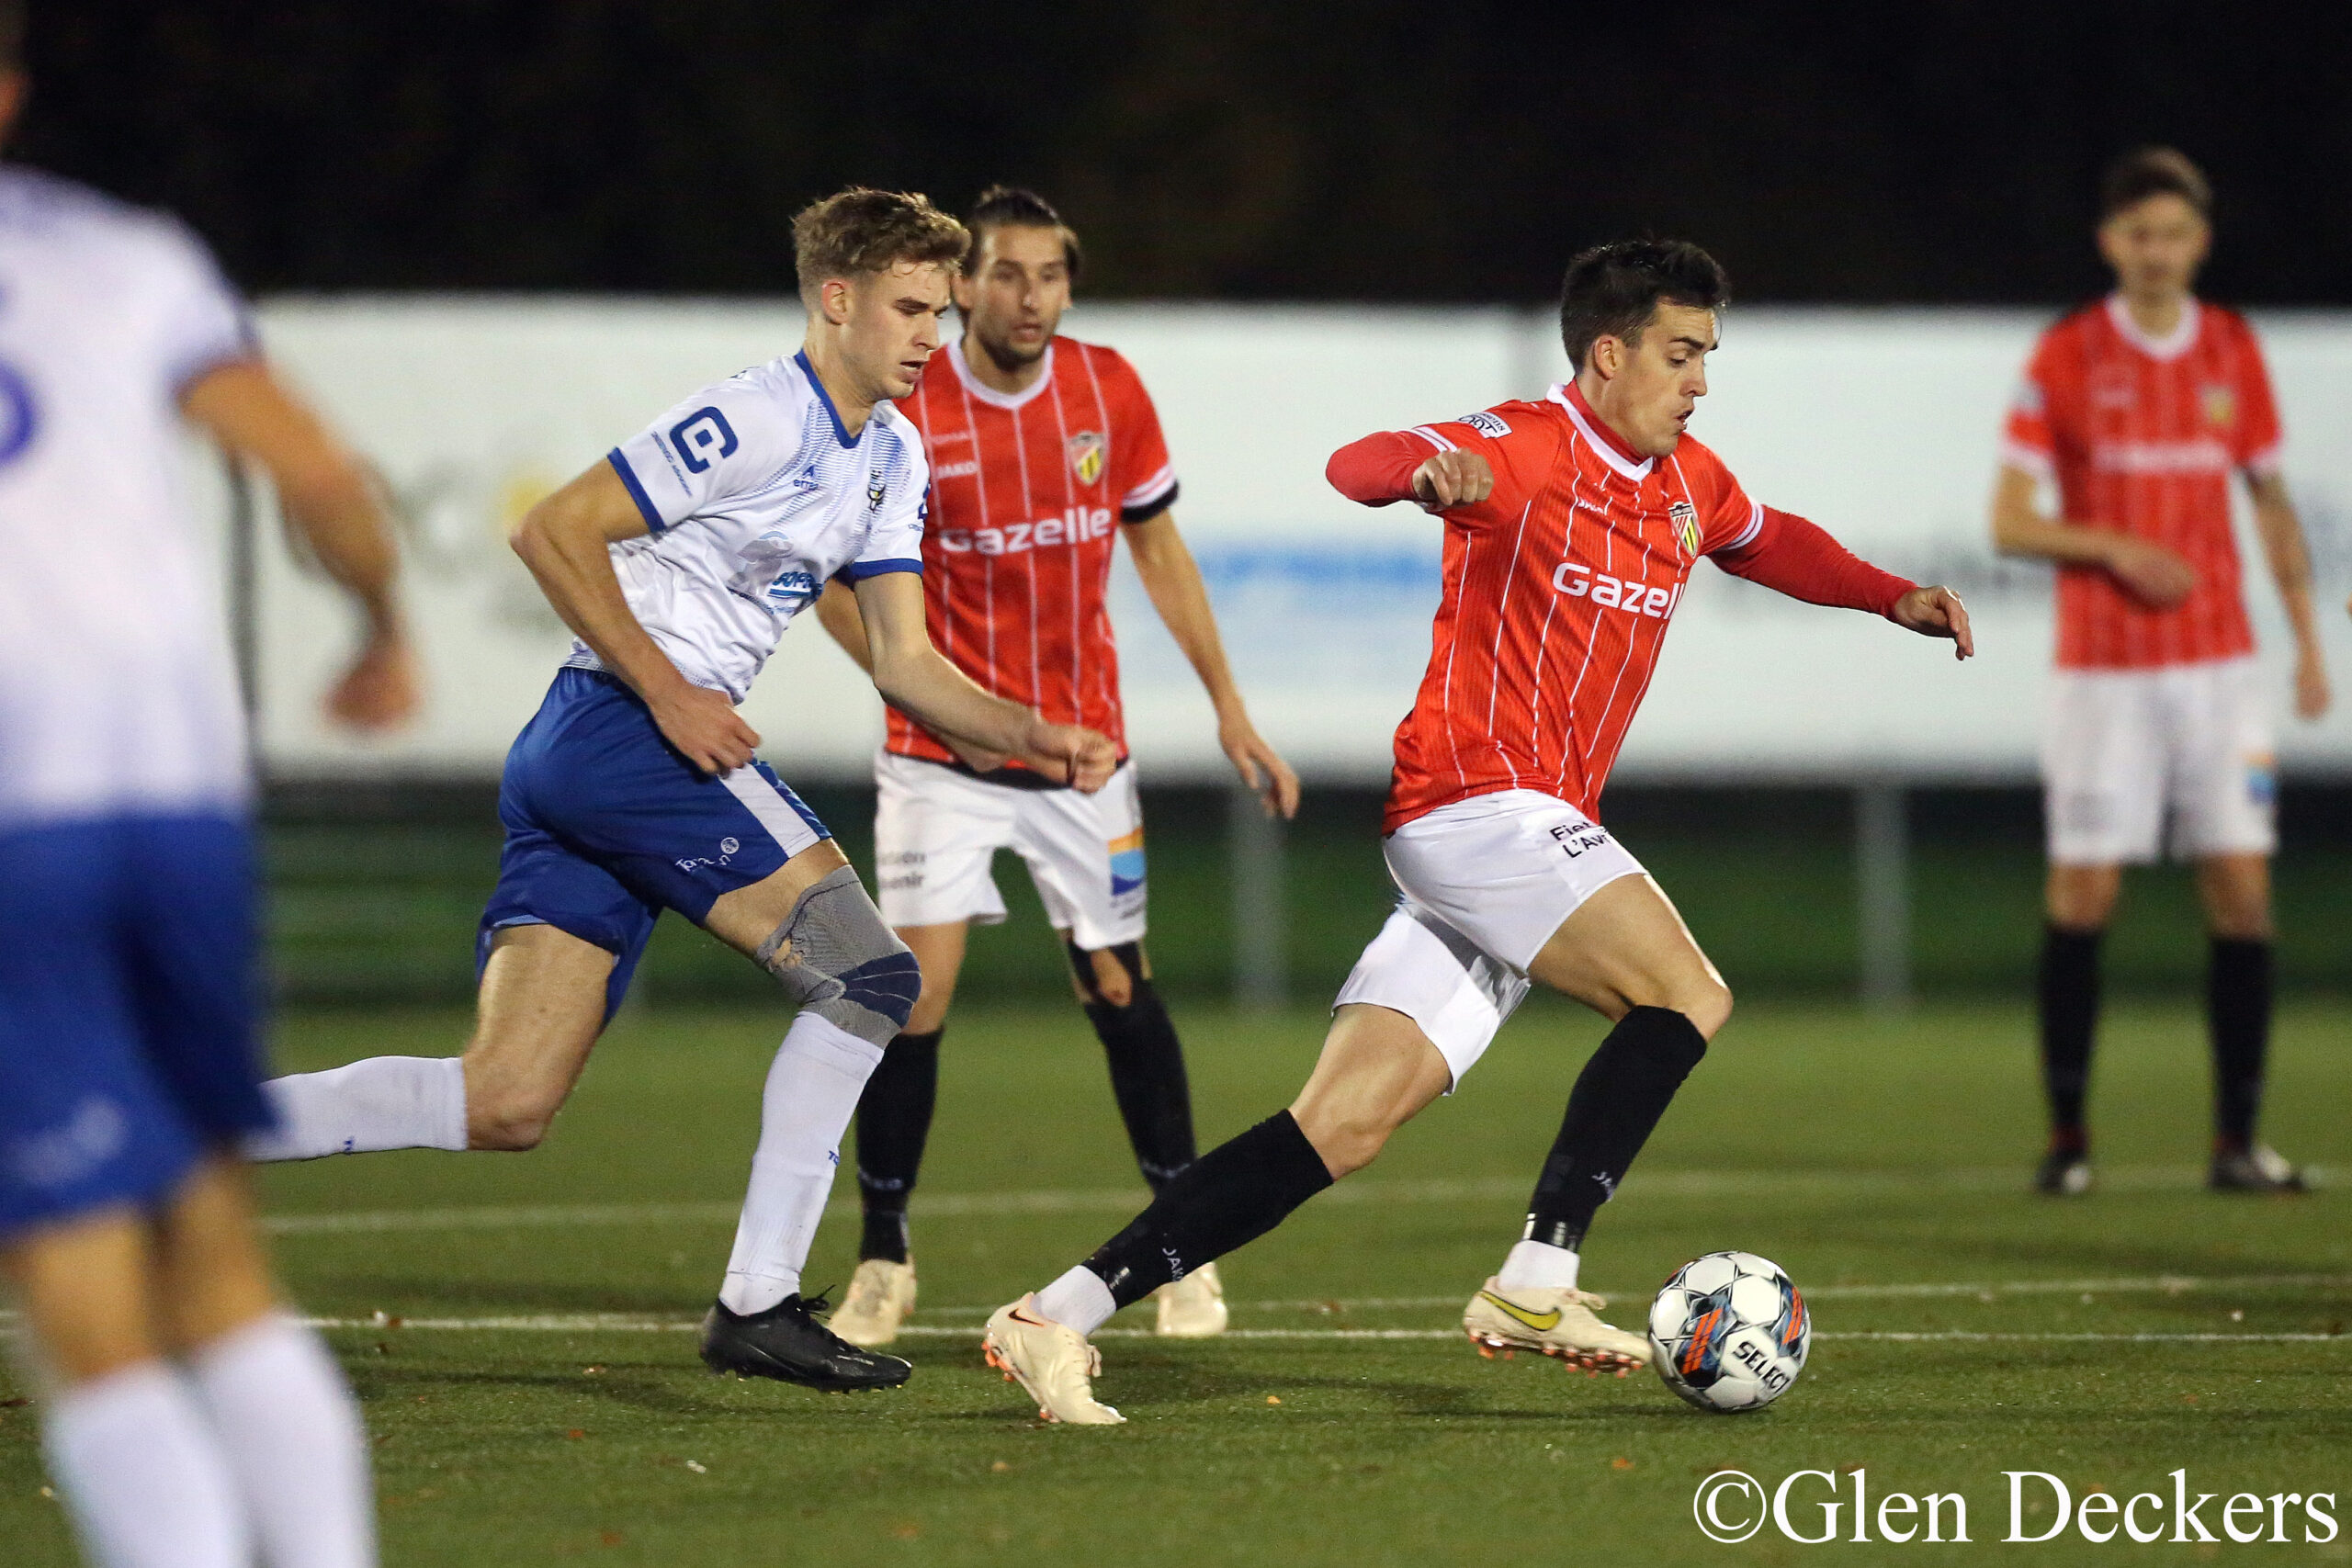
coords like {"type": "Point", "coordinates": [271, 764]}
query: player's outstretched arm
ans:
{"type": "Point", "coordinates": [1799, 559]}
{"type": "Point", "coordinates": [565, 541]}
{"type": "Point", "coordinates": [916, 679]}
{"type": "Point", "coordinates": [328, 499]}
{"type": "Point", "coordinates": [2291, 568]}
{"type": "Point", "coordinates": [1173, 579]}
{"type": "Point", "coordinates": [2157, 577]}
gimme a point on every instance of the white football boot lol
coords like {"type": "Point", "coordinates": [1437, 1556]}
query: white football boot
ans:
{"type": "Point", "coordinates": [881, 1296]}
{"type": "Point", "coordinates": [1050, 1360]}
{"type": "Point", "coordinates": [1193, 1307]}
{"type": "Point", "coordinates": [1552, 1322]}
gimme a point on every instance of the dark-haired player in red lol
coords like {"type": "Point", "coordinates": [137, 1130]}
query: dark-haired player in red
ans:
{"type": "Point", "coordinates": [2141, 408]}
{"type": "Point", "coordinates": [1571, 525]}
{"type": "Point", "coordinates": [1044, 453]}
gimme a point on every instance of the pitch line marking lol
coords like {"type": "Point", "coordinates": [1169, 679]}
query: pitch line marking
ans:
{"type": "Point", "coordinates": [1123, 1199]}
{"type": "Point", "coordinates": [600, 1322]}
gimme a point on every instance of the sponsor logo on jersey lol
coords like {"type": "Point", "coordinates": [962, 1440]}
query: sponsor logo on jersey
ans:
{"type": "Point", "coordinates": [792, 591]}
{"type": "Point", "coordinates": [701, 436]}
{"type": "Point", "coordinates": [807, 479]}
{"type": "Point", "coordinates": [1490, 426]}
{"type": "Point", "coordinates": [1685, 518]}
{"type": "Point", "coordinates": [2203, 456]}
{"type": "Point", "coordinates": [1088, 449]}
{"type": "Point", "coordinates": [1576, 581]}
{"type": "Point", "coordinates": [2221, 404]}
{"type": "Point", "coordinates": [1076, 525]}
{"type": "Point", "coordinates": [962, 471]}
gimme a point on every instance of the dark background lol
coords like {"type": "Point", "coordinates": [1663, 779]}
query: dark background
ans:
{"type": "Point", "coordinates": [1932, 150]}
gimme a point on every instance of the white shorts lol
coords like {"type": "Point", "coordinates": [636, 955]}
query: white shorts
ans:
{"type": "Point", "coordinates": [936, 830]}
{"type": "Point", "coordinates": [1486, 881]}
{"type": "Point", "coordinates": [2127, 749]}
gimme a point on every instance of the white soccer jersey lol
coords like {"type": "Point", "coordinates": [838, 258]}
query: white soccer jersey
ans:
{"type": "Point", "coordinates": [118, 691]}
{"type": "Point", "coordinates": [756, 496]}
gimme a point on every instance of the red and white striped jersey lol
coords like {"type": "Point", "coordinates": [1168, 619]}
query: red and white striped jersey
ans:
{"type": "Point", "coordinates": [1557, 590]}
{"type": "Point", "coordinates": [2142, 436]}
{"type": "Point", "coordinates": [1026, 490]}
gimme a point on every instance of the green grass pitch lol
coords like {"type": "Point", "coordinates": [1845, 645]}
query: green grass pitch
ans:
{"type": "Point", "coordinates": [1882, 1161]}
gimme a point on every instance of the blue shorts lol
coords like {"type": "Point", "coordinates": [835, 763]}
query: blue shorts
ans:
{"type": "Point", "coordinates": [607, 825]}
{"type": "Point", "coordinates": [128, 987]}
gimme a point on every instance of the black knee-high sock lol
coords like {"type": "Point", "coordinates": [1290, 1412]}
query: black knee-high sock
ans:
{"type": "Point", "coordinates": [2237, 1009]}
{"type": "Point", "coordinates": [893, 1121]}
{"type": "Point", "coordinates": [2069, 1002]}
{"type": "Point", "coordinates": [1617, 1100]}
{"type": "Point", "coordinates": [1148, 1079]}
{"type": "Point", "coordinates": [1226, 1198]}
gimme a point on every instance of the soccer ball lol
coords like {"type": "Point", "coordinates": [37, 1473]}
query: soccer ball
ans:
{"type": "Point", "coordinates": [1729, 1332]}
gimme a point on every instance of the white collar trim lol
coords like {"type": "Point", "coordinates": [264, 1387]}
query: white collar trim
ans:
{"type": "Point", "coordinates": [1599, 443]}
{"type": "Point", "coordinates": [985, 393]}
{"type": "Point", "coordinates": [2173, 344]}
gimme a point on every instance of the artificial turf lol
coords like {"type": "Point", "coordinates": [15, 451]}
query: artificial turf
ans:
{"type": "Point", "coordinates": [1862, 1154]}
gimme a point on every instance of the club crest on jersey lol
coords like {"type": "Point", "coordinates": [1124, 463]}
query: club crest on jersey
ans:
{"type": "Point", "coordinates": [1089, 450]}
{"type": "Point", "coordinates": [1685, 518]}
{"type": "Point", "coordinates": [1492, 426]}
{"type": "Point", "coordinates": [877, 490]}
{"type": "Point", "coordinates": [2219, 403]}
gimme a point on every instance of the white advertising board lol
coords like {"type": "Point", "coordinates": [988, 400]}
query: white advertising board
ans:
{"type": "Point", "coordinates": [1881, 426]}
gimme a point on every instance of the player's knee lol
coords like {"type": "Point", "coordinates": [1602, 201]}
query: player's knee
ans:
{"type": "Point", "coordinates": [1106, 975]}
{"type": "Point", "coordinates": [1707, 1005]}
{"type": "Point", "coordinates": [835, 956]}
{"type": "Point", "coordinates": [510, 1123]}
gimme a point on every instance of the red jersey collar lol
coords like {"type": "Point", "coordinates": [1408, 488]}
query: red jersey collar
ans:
{"type": "Point", "coordinates": [982, 393]}
{"type": "Point", "coordinates": [1607, 442]}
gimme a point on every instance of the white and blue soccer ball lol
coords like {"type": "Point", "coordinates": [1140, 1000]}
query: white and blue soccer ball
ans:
{"type": "Point", "coordinates": [1729, 1332]}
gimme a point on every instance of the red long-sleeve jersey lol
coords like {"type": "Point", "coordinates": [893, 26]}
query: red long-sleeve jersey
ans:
{"type": "Point", "coordinates": [1558, 588]}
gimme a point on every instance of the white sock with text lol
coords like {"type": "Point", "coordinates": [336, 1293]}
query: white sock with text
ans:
{"type": "Point", "coordinates": [383, 1102]}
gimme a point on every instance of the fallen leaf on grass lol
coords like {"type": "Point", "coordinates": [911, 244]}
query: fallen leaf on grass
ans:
{"type": "Point", "coordinates": [1000, 1467]}
{"type": "Point", "coordinates": [1621, 1463]}
{"type": "Point", "coordinates": [906, 1532]}
{"type": "Point", "coordinates": [1274, 1399]}
{"type": "Point", "coordinates": [576, 1434]}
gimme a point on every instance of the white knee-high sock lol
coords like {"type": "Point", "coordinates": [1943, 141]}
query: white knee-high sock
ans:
{"type": "Point", "coordinates": [144, 1472]}
{"type": "Point", "coordinates": [812, 1092]}
{"type": "Point", "coordinates": [291, 1433]}
{"type": "Point", "coordinates": [383, 1102]}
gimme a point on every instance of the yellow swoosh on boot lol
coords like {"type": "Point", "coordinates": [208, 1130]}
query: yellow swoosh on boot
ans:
{"type": "Point", "coordinates": [1541, 1323]}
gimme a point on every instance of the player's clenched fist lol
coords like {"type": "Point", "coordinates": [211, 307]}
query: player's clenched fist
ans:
{"type": "Point", "coordinates": [1070, 754]}
{"type": "Point", "coordinates": [1454, 478]}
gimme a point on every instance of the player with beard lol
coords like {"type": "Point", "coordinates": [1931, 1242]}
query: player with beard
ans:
{"type": "Point", "coordinates": [678, 560]}
{"type": "Point", "coordinates": [1042, 450]}
{"type": "Point", "coordinates": [1571, 525]}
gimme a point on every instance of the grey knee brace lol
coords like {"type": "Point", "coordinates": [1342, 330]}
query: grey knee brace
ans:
{"type": "Point", "coordinates": [835, 956]}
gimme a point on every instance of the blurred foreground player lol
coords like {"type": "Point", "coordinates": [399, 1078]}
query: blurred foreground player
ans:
{"type": "Point", "coordinates": [2140, 408]}
{"type": "Point", "coordinates": [678, 561]}
{"type": "Point", "coordinates": [188, 1418]}
{"type": "Point", "coordinates": [1041, 448]}
{"type": "Point", "coordinates": [1571, 525]}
